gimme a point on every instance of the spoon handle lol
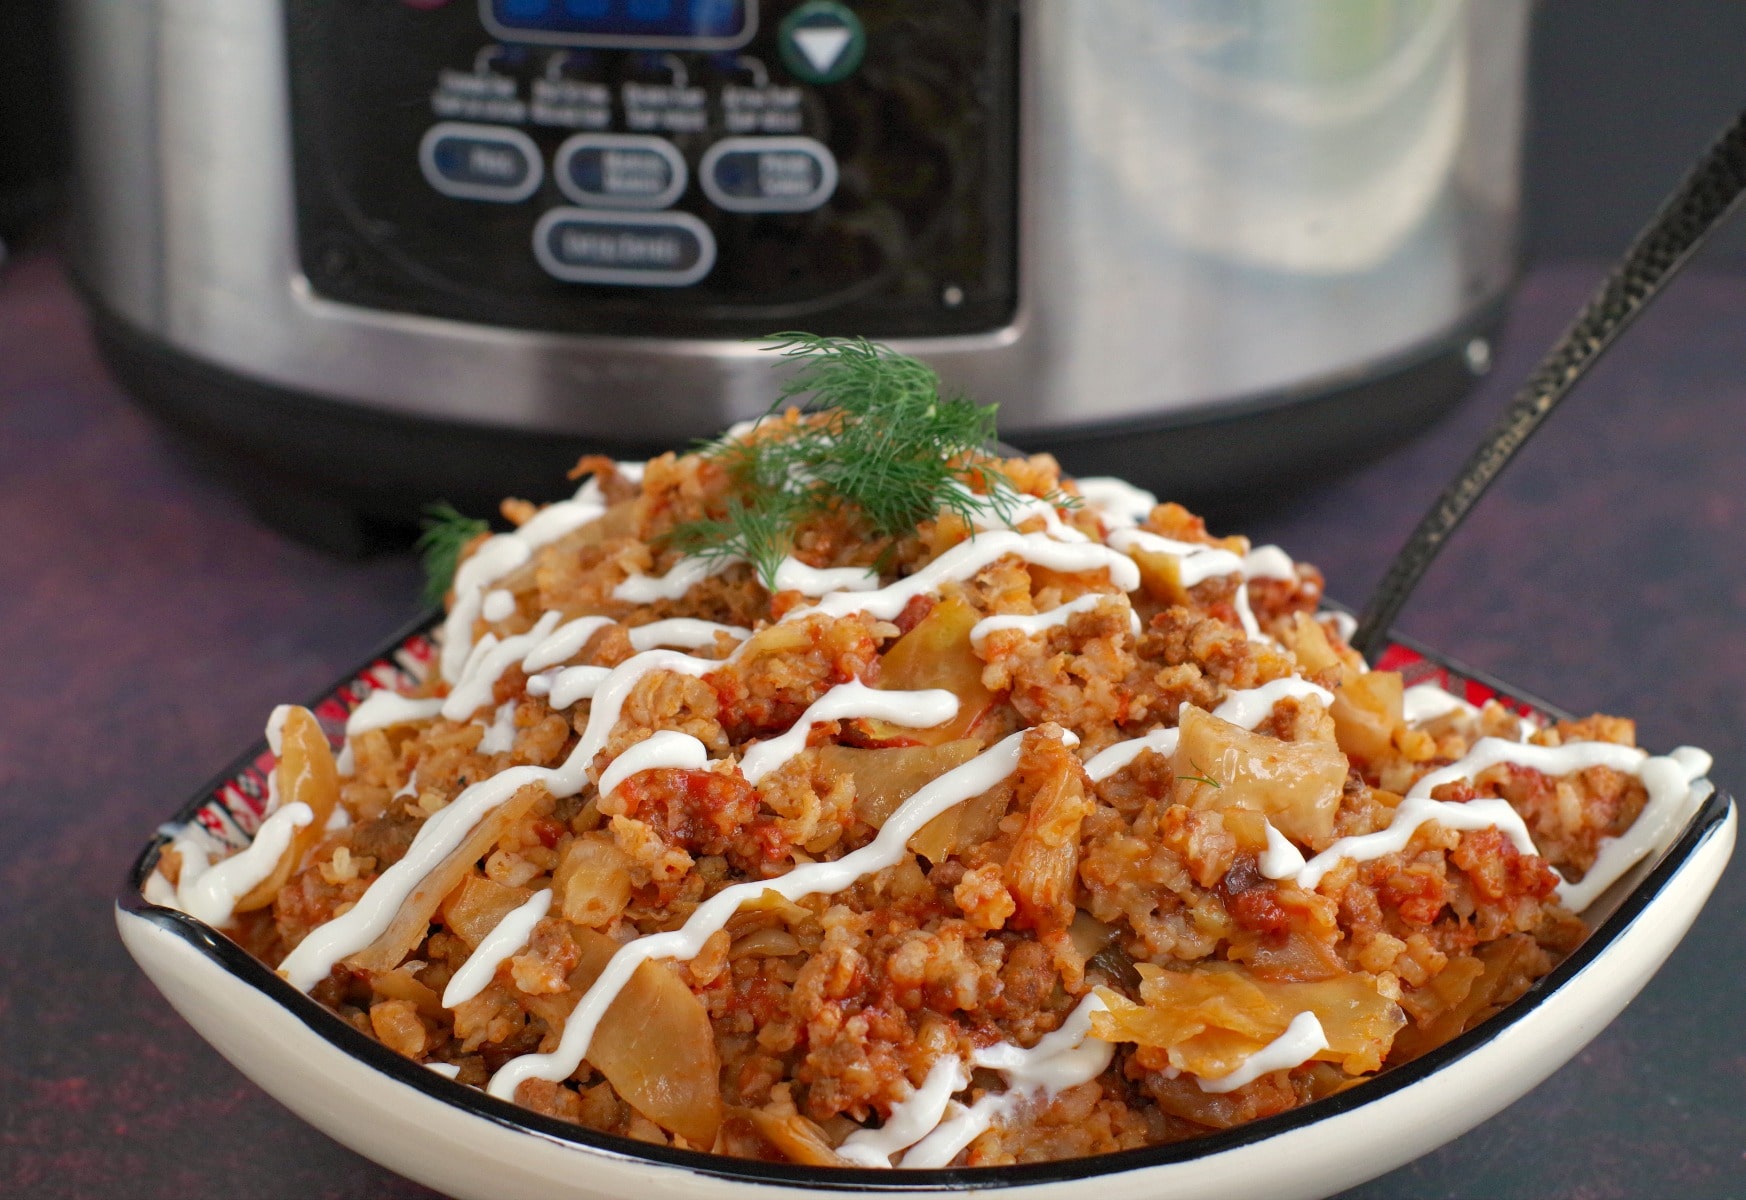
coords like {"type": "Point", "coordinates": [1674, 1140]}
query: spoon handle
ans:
{"type": "Point", "coordinates": [1687, 217]}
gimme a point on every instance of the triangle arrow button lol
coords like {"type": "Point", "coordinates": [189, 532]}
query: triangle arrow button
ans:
{"type": "Point", "coordinates": [822, 45]}
{"type": "Point", "coordinates": [822, 41]}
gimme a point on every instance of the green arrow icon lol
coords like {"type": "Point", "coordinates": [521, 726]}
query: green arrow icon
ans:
{"type": "Point", "coordinates": [822, 41]}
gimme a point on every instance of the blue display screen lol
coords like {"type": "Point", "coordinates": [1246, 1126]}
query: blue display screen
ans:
{"type": "Point", "coordinates": [622, 22]}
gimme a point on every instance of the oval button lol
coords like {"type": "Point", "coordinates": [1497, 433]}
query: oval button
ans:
{"type": "Point", "coordinates": [480, 162]}
{"type": "Point", "coordinates": [620, 170]}
{"type": "Point", "coordinates": [768, 174]}
{"type": "Point", "coordinates": [661, 249]}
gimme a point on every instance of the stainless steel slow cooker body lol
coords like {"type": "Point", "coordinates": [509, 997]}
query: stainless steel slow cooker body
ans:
{"type": "Point", "coordinates": [1223, 208]}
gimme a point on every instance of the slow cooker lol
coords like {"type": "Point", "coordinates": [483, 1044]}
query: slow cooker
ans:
{"type": "Point", "coordinates": [367, 253]}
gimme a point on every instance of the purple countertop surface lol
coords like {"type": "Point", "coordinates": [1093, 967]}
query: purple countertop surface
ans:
{"type": "Point", "coordinates": [148, 624]}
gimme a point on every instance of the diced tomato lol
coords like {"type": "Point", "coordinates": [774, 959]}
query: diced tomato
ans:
{"type": "Point", "coordinates": [913, 612]}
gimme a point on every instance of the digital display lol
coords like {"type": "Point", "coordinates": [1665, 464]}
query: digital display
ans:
{"type": "Point", "coordinates": [653, 24]}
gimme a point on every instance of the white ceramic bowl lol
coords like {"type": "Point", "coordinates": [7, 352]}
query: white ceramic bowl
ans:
{"type": "Point", "coordinates": [463, 1142]}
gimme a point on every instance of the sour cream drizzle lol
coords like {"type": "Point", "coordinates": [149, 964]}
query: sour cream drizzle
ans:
{"type": "Point", "coordinates": [1246, 707]}
{"type": "Point", "coordinates": [954, 787]}
{"type": "Point", "coordinates": [1302, 1040]}
{"type": "Point", "coordinates": [1246, 615]}
{"type": "Point", "coordinates": [1065, 1058]}
{"type": "Point", "coordinates": [1025, 509]}
{"type": "Point", "coordinates": [665, 748]}
{"type": "Point", "coordinates": [685, 574]}
{"type": "Point", "coordinates": [498, 605]}
{"type": "Point", "coordinates": [1269, 562]}
{"type": "Point", "coordinates": [438, 837]}
{"type": "Point", "coordinates": [985, 514]}
{"type": "Point", "coordinates": [575, 684]}
{"type": "Point", "coordinates": [1674, 782]}
{"type": "Point", "coordinates": [1281, 859]}
{"type": "Point", "coordinates": [276, 728]}
{"type": "Point", "coordinates": [500, 734]}
{"type": "Point", "coordinates": [792, 575]}
{"type": "Point", "coordinates": [1197, 562]}
{"type": "Point", "coordinates": [565, 687]}
{"type": "Point", "coordinates": [1669, 780]}
{"type": "Point", "coordinates": [497, 557]}
{"type": "Point", "coordinates": [563, 643]}
{"type": "Point", "coordinates": [309, 963]}
{"type": "Point", "coordinates": [503, 553]}
{"type": "Point", "coordinates": [1117, 757]}
{"type": "Point", "coordinates": [933, 1127]}
{"type": "Point", "coordinates": [489, 659]}
{"type": "Point", "coordinates": [209, 893]}
{"type": "Point", "coordinates": [683, 632]}
{"type": "Point", "coordinates": [1249, 707]}
{"type": "Point", "coordinates": [964, 560]}
{"type": "Point", "coordinates": [1117, 501]}
{"type": "Point", "coordinates": [914, 710]}
{"type": "Point", "coordinates": [911, 1118]}
{"type": "Point", "coordinates": [385, 709]}
{"type": "Point", "coordinates": [1414, 811]}
{"type": "Point", "coordinates": [507, 937]}
{"type": "Point", "coordinates": [1676, 785]}
{"type": "Point", "coordinates": [376, 909]}
{"type": "Point", "coordinates": [1032, 625]}
{"type": "Point", "coordinates": [795, 576]}
{"type": "Point", "coordinates": [1426, 702]}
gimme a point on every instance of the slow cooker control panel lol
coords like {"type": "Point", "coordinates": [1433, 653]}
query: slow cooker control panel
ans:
{"type": "Point", "coordinates": [660, 167]}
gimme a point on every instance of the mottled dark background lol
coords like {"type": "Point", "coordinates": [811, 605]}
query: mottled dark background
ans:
{"type": "Point", "coordinates": [148, 623]}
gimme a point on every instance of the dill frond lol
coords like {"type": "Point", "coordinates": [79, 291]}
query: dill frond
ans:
{"type": "Point", "coordinates": [446, 533]}
{"type": "Point", "coordinates": [760, 533]}
{"type": "Point", "coordinates": [882, 443]}
{"type": "Point", "coordinates": [1203, 777]}
{"type": "Point", "coordinates": [890, 442]}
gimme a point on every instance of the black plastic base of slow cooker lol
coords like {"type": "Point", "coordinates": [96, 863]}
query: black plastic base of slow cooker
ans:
{"type": "Point", "coordinates": [353, 480]}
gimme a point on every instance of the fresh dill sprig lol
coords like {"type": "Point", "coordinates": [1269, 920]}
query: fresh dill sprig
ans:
{"type": "Point", "coordinates": [1203, 777]}
{"type": "Point", "coordinates": [446, 534]}
{"type": "Point", "coordinates": [889, 443]}
{"type": "Point", "coordinates": [760, 533]}
{"type": "Point", "coordinates": [883, 443]}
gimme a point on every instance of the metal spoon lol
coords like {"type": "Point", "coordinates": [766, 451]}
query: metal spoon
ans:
{"type": "Point", "coordinates": [1685, 220]}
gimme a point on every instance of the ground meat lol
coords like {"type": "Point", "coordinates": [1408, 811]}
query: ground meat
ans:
{"type": "Point", "coordinates": [821, 1014]}
{"type": "Point", "coordinates": [700, 811]}
{"type": "Point", "coordinates": [1568, 817]}
{"type": "Point", "coordinates": [765, 692]}
{"type": "Point", "coordinates": [1079, 672]}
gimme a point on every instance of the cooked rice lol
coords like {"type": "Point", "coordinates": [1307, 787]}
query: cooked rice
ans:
{"type": "Point", "coordinates": [820, 1015]}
